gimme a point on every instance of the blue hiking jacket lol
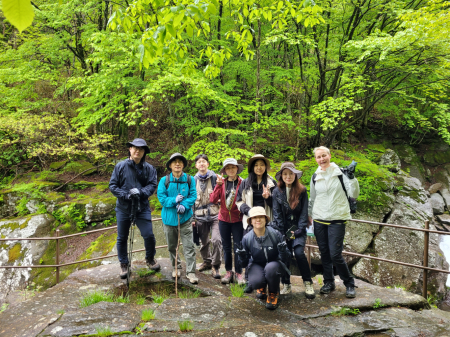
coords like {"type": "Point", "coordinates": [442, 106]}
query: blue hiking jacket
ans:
{"type": "Point", "coordinates": [167, 199]}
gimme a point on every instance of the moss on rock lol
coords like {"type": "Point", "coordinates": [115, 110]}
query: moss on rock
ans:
{"type": "Point", "coordinates": [79, 166]}
{"type": "Point", "coordinates": [58, 164]}
{"type": "Point", "coordinates": [14, 253]}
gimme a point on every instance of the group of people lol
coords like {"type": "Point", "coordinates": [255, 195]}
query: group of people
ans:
{"type": "Point", "coordinates": [262, 220]}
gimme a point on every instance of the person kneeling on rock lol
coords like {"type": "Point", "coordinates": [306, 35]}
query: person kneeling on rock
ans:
{"type": "Point", "coordinates": [268, 251]}
{"type": "Point", "coordinates": [134, 178]}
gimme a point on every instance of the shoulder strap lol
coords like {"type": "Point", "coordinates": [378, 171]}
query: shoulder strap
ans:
{"type": "Point", "coordinates": [167, 182]}
{"type": "Point", "coordinates": [341, 179]}
{"type": "Point", "coordinates": [272, 237]}
{"type": "Point", "coordinates": [314, 178]}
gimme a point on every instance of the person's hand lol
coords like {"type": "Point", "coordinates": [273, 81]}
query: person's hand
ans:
{"type": "Point", "coordinates": [219, 180]}
{"type": "Point", "coordinates": [310, 220]}
{"type": "Point", "coordinates": [179, 198]}
{"type": "Point", "coordinates": [181, 209]}
{"type": "Point", "coordinates": [193, 223]}
{"type": "Point", "coordinates": [266, 192]}
{"type": "Point", "coordinates": [240, 251]}
{"type": "Point", "coordinates": [282, 246]}
{"type": "Point", "coordinates": [299, 232]}
{"type": "Point", "coordinates": [134, 192]}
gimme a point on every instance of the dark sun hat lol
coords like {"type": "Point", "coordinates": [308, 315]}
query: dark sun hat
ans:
{"type": "Point", "coordinates": [139, 142]}
{"type": "Point", "coordinates": [289, 166]}
{"type": "Point", "coordinates": [176, 156]}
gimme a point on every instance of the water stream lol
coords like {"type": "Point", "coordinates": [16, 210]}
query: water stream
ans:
{"type": "Point", "coordinates": [445, 246]}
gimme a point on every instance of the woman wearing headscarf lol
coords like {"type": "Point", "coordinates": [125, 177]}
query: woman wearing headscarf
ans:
{"type": "Point", "coordinates": [290, 217]}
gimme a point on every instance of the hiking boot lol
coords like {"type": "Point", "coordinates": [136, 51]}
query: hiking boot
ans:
{"type": "Point", "coordinates": [124, 268]}
{"type": "Point", "coordinates": [309, 290]}
{"type": "Point", "coordinates": [153, 264]}
{"type": "Point", "coordinates": [215, 272]}
{"type": "Point", "coordinates": [227, 278]}
{"type": "Point", "coordinates": [287, 289]}
{"type": "Point", "coordinates": [327, 288]}
{"type": "Point", "coordinates": [175, 272]}
{"type": "Point", "coordinates": [205, 266]}
{"type": "Point", "coordinates": [248, 289]}
{"type": "Point", "coordinates": [350, 292]}
{"type": "Point", "coordinates": [192, 278]}
{"type": "Point", "coordinates": [240, 278]}
{"type": "Point", "coordinates": [261, 293]}
{"type": "Point", "coordinates": [272, 301]}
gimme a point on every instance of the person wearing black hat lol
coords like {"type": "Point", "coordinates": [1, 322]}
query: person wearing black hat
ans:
{"type": "Point", "coordinates": [290, 216]}
{"type": "Point", "coordinates": [134, 178]}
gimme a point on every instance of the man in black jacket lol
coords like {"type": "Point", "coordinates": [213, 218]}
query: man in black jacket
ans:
{"type": "Point", "coordinates": [134, 179]}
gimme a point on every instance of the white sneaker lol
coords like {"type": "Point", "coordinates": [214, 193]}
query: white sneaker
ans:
{"type": "Point", "coordinates": [309, 290]}
{"type": "Point", "coordinates": [175, 272]}
{"type": "Point", "coordinates": [286, 289]}
{"type": "Point", "coordinates": [192, 278]}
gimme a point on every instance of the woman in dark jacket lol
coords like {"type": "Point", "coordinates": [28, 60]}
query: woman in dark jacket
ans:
{"type": "Point", "coordinates": [290, 217]}
{"type": "Point", "coordinates": [266, 248]}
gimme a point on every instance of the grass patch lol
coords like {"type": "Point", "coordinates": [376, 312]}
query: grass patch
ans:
{"type": "Point", "coordinates": [186, 326]}
{"type": "Point", "coordinates": [143, 272]}
{"type": "Point", "coordinates": [104, 331]}
{"type": "Point", "coordinates": [147, 315]}
{"type": "Point", "coordinates": [96, 296]}
{"type": "Point", "coordinates": [140, 300]}
{"type": "Point", "coordinates": [377, 304]}
{"type": "Point", "coordinates": [237, 290]}
{"type": "Point", "coordinates": [159, 298]}
{"type": "Point", "coordinates": [339, 311]}
{"type": "Point", "coordinates": [189, 293]}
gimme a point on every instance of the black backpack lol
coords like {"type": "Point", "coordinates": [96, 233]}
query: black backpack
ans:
{"type": "Point", "coordinates": [351, 201]}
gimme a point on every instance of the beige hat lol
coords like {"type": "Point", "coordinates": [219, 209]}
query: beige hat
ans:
{"type": "Point", "coordinates": [291, 167]}
{"type": "Point", "coordinates": [255, 158]}
{"type": "Point", "coordinates": [257, 211]}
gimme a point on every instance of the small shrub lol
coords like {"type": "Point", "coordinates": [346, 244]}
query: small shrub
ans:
{"type": "Point", "coordinates": [237, 290]}
{"type": "Point", "coordinates": [147, 315]}
{"type": "Point", "coordinates": [189, 294]}
{"type": "Point", "coordinates": [186, 326]}
{"type": "Point", "coordinates": [140, 300]}
{"type": "Point", "coordinates": [76, 217]}
{"type": "Point", "coordinates": [158, 298]}
{"type": "Point", "coordinates": [21, 206]}
{"type": "Point", "coordinates": [378, 304]}
{"type": "Point", "coordinates": [122, 299]}
{"type": "Point", "coordinates": [339, 311]}
{"type": "Point", "coordinates": [432, 301]}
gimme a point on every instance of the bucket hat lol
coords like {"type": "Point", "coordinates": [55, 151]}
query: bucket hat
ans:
{"type": "Point", "coordinates": [255, 158]}
{"type": "Point", "coordinates": [257, 211]}
{"type": "Point", "coordinates": [290, 166]}
{"type": "Point", "coordinates": [176, 155]}
{"type": "Point", "coordinates": [139, 142]}
{"type": "Point", "coordinates": [231, 161]}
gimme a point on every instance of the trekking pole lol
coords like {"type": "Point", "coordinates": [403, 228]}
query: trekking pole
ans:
{"type": "Point", "coordinates": [131, 241]}
{"type": "Point", "coordinates": [176, 257]}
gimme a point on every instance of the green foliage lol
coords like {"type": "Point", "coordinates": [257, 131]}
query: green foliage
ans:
{"type": "Point", "coordinates": [343, 311]}
{"type": "Point", "coordinates": [30, 291]}
{"type": "Point", "coordinates": [186, 326]}
{"type": "Point", "coordinates": [188, 293]}
{"type": "Point", "coordinates": [237, 290]}
{"type": "Point", "coordinates": [140, 300]}
{"type": "Point", "coordinates": [143, 272]}
{"type": "Point", "coordinates": [432, 300]}
{"type": "Point", "coordinates": [4, 307]}
{"type": "Point", "coordinates": [19, 12]}
{"type": "Point", "coordinates": [61, 312]}
{"type": "Point", "coordinates": [21, 206]}
{"type": "Point", "coordinates": [158, 299]}
{"type": "Point", "coordinates": [147, 315]}
{"type": "Point", "coordinates": [76, 217]}
{"type": "Point", "coordinates": [103, 331]}
{"type": "Point", "coordinates": [377, 304]}
{"type": "Point", "coordinates": [96, 296]}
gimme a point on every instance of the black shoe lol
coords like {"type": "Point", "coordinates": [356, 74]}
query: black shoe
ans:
{"type": "Point", "coordinates": [327, 288]}
{"type": "Point", "coordinates": [350, 292]}
{"type": "Point", "coordinates": [248, 289]}
{"type": "Point", "coordinates": [124, 268]}
{"type": "Point", "coordinates": [153, 264]}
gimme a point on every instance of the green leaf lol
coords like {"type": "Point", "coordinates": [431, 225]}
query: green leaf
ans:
{"type": "Point", "coordinates": [19, 12]}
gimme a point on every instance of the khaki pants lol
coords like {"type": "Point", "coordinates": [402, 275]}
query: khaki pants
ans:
{"type": "Point", "coordinates": [171, 233]}
{"type": "Point", "coordinates": [214, 255]}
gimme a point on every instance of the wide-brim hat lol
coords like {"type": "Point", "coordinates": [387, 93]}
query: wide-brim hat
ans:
{"type": "Point", "coordinates": [290, 166]}
{"type": "Point", "coordinates": [255, 158]}
{"type": "Point", "coordinates": [257, 211]}
{"type": "Point", "coordinates": [139, 142]}
{"type": "Point", "coordinates": [231, 161]}
{"type": "Point", "coordinates": [176, 156]}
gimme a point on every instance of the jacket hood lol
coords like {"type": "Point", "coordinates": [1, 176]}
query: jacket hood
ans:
{"type": "Point", "coordinates": [336, 170]}
{"type": "Point", "coordinates": [209, 174]}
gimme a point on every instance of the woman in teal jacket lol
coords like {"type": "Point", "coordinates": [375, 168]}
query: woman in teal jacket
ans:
{"type": "Point", "coordinates": [177, 196]}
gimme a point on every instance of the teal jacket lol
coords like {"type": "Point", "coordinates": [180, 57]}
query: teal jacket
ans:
{"type": "Point", "coordinates": [167, 199]}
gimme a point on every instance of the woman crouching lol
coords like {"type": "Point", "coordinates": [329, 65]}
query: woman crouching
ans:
{"type": "Point", "coordinates": [267, 249]}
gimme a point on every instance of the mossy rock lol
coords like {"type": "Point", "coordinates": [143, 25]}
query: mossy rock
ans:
{"type": "Point", "coordinates": [81, 185]}
{"type": "Point", "coordinates": [55, 197]}
{"type": "Point", "coordinates": [435, 158]}
{"type": "Point", "coordinates": [57, 164]}
{"type": "Point", "coordinates": [79, 166]}
{"type": "Point", "coordinates": [102, 187]}
{"type": "Point", "coordinates": [376, 147]}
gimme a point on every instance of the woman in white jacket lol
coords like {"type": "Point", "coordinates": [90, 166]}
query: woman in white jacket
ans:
{"type": "Point", "coordinates": [329, 207]}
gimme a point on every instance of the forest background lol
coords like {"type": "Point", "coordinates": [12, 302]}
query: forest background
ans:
{"type": "Point", "coordinates": [224, 77]}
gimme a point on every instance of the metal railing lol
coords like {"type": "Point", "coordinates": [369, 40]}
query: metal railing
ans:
{"type": "Point", "coordinates": [308, 245]}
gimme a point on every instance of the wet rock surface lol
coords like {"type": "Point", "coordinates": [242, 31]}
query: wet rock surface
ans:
{"type": "Point", "coordinates": [57, 312]}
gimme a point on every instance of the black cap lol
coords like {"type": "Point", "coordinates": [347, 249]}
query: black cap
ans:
{"type": "Point", "coordinates": [139, 142]}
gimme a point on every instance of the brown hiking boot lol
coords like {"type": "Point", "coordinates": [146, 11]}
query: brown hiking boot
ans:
{"type": "Point", "coordinates": [227, 278]}
{"type": "Point", "coordinates": [215, 272]}
{"type": "Point", "coordinates": [272, 301]}
{"type": "Point", "coordinates": [153, 264]}
{"type": "Point", "coordinates": [205, 266]}
{"type": "Point", "coordinates": [124, 268]}
{"type": "Point", "coordinates": [261, 293]}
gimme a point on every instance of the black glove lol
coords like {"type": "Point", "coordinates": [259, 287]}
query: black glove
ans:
{"type": "Point", "coordinates": [133, 193]}
{"type": "Point", "coordinates": [240, 251]}
{"type": "Point", "coordinates": [283, 253]}
{"type": "Point", "coordinates": [242, 255]}
{"type": "Point", "coordinates": [299, 232]}
{"type": "Point", "coordinates": [351, 170]}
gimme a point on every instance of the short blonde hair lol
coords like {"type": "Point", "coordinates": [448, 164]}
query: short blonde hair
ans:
{"type": "Point", "coordinates": [321, 148]}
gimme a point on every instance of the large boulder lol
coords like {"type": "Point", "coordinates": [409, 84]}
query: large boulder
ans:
{"type": "Point", "coordinates": [391, 160]}
{"type": "Point", "coordinates": [437, 203]}
{"type": "Point", "coordinates": [410, 161]}
{"type": "Point", "coordinates": [15, 253]}
{"type": "Point", "coordinates": [446, 196]}
{"type": "Point", "coordinates": [437, 154]}
{"type": "Point", "coordinates": [435, 188]}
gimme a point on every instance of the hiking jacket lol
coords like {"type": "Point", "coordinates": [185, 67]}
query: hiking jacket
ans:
{"type": "Point", "coordinates": [233, 215]}
{"type": "Point", "coordinates": [204, 209]}
{"type": "Point", "coordinates": [284, 217]}
{"type": "Point", "coordinates": [261, 250]}
{"type": "Point", "coordinates": [244, 199]}
{"type": "Point", "coordinates": [168, 195]}
{"type": "Point", "coordinates": [127, 175]}
{"type": "Point", "coordinates": [327, 200]}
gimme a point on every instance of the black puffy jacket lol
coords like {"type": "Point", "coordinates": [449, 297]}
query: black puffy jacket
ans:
{"type": "Point", "coordinates": [127, 175]}
{"type": "Point", "coordinates": [284, 217]}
